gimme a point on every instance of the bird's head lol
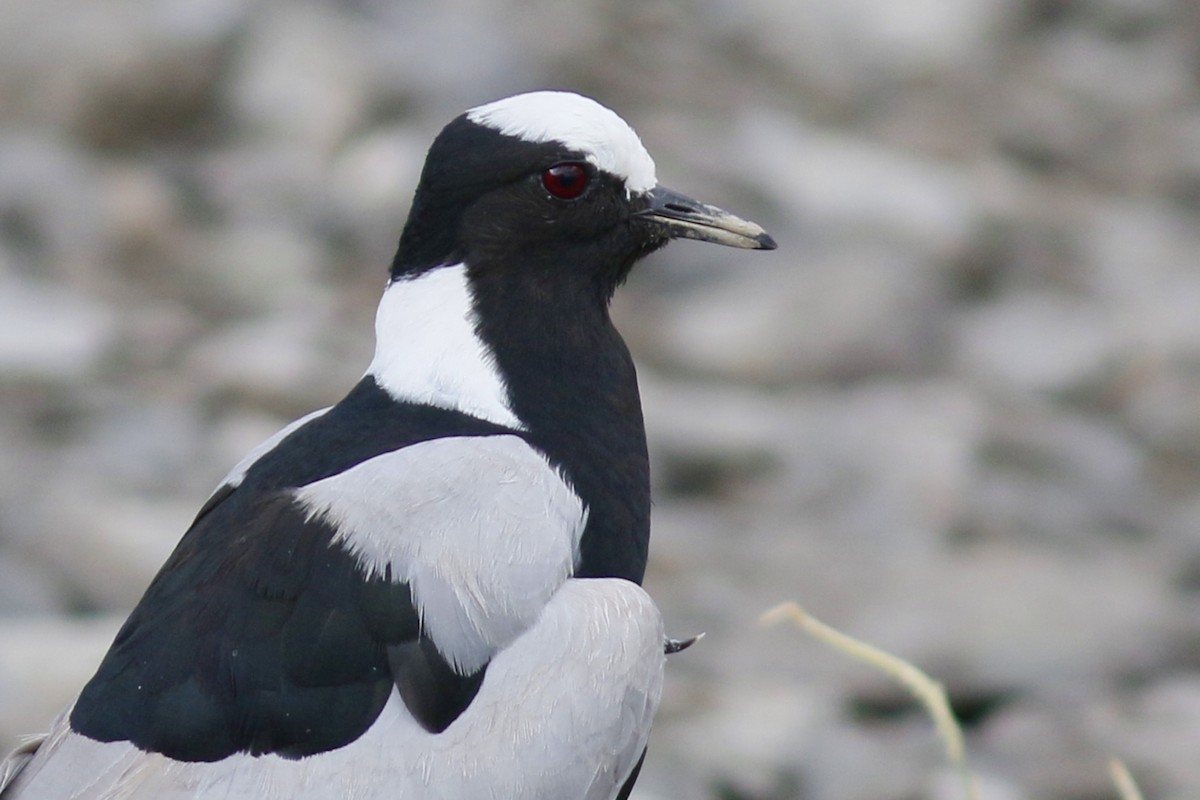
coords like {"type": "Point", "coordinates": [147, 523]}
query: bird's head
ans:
{"type": "Point", "coordinates": [554, 184]}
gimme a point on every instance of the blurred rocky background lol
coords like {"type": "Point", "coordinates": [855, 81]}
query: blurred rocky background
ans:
{"type": "Point", "coordinates": [957, 413]}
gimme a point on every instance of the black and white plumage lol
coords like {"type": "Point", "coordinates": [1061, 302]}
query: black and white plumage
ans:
{"type": "Point", "coordinates": [430, 589]}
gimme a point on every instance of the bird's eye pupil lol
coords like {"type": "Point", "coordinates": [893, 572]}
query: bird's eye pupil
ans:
{"type": "Point", "coordinates": [566, 181]}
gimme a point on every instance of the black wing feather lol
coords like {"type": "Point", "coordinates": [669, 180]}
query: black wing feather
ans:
{"type": "Point", "coordinates": [252, 641]}
{"type": "Point", "coordinates": [262, 634]}
{"type": "Point", "coordinates": [432, 691]}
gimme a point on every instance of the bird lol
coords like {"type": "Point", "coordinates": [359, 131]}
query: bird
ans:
{"type": "Point", "coordinates": [432, 588]}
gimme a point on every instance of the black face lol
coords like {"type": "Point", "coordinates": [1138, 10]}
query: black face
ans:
{"type": "Point", "coordinates": [486, 198]}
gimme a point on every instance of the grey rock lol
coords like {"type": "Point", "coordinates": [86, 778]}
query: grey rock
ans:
{"type": "Point", "coordinates": [27, 589]}
{"type": "Point", "coordinates": [246, 269]}
{"type": "Point", "coordinates": [44, 661]}
{"type": "Point", "coordinates": [50, 333]}
{"type": "Point", "coordinates": [108, 544]}
{"type": "Point", "coordinates": [854, 187]}
{"type": "Point", "coordinates": [50, 200]}
{"type": "Point", "coordinates": [282, 361]}
{"type": "Point", "coordinates": [844, 312]}
{"type": "Point", "coordinates": [1059, 478]}
{"type": "Point", "coordinates": [1155, 732]}
{"type": "Point", "coordinates": [116, 74]}
{"type": "Point", "coordinates": [850, 49]}
{"type": "Point", "coordinates": [1001, 617]}
{"type": "Point", "coordinates": [1038, 343]}
{"type": "Point", "coordinates": [371, 182]}
{"type": "Point", "coordinates": [1046, 744]}
{"type": "Point", "coordinates": [297, 79]}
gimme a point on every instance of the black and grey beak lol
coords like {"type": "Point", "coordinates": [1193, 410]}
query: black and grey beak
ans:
{"type": "Point", "coordinates": [685, 218]}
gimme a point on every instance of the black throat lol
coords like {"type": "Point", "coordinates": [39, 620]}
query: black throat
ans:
{"type": "Point", "coordinates": [572, 381]}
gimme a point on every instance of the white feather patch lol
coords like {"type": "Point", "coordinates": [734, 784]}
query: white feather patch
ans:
{"type": "Point", "coordinates": [427, 350]}
{"type": "Point", "coordinates": [482, 528]}
{"type": "Point", "coordinates": [578, 122]}
{"type": "Point", "coordinates": [564, 713]}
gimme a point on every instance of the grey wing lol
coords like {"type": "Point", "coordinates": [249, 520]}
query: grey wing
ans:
{"type": "Point", "coordinates": [63, 765]}
{"type": "Point", "coordinates": [15, 761]}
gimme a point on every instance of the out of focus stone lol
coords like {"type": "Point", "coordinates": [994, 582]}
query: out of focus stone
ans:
{"type": "Point", "coordinates": [1038, 343]}
{"type": "Point", "coordinates": [885, 469]}
{"type": "Point", "coordinates": [849, 49]}
{"type": "Point", "coordinates": [1140, 256]}
{"type": "Point", "coordinates": [242, 269]}
{"type": "Point", "coordinates": [139, 446]}
{"type": "Point", "coordinates": [143, 220]}
{"type": "Point", "coordinates": [760, 726]}
{"type": "Point", "coordinates": [50, 333]}
{"type": "Point", "coordinates": [853, 762]}
{"type": "Point", "coordinates": [1059, 478]}
{"type": "Point", "coordinates": [276, 186]}
{"type": "Point", "coordinates": [1044, 743]}
{"type": "Point", "coordinates": [116, 74]}
{"type": "Point", "coordinates": [843, 186]}
{"type": "Point", "coordinates": [842, 313]}
{"type": "Point", "coordinates": [44, 662]}
{"type": "Point", "coordinates": [51, 210]}
{"type": "Point", "coordinates": [27, 589]}
{"type": "Point", "coordinates": [947, 784]}
{"type": "Point", "coordinates": [998, 617]}
{"type": "Point", "coordinates": [281, 362]}
{"type": "Point", "coordinates": [372, 181]}
{"type": "Point", "coordinates": [108, 544]}
{"type": "Point", "coordinates": [297, 78]}
{"type": "Point", "coordinates": [1155, 733]}
{"type": "Point", "coordinates": [405, 49]}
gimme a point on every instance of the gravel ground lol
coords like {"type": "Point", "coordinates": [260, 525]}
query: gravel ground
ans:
{"type": "Point", "coordinates": [957, 413]}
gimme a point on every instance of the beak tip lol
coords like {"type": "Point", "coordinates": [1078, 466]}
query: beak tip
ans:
{"type": "Point", "coordinates": [765, 242]}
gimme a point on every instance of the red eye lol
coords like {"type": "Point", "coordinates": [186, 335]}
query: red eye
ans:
{"type": "Point", "coordinates": [566, 180]}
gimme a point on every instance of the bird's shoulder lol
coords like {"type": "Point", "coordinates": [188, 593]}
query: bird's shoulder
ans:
{"type": "Point", "coordinates": [367, 423]}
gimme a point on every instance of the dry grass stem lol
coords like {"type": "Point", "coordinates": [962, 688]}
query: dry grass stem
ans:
{"type": "Point", "coordinates": [927, 691]}
{"type": "Point", "coordinates": [1127, 788]}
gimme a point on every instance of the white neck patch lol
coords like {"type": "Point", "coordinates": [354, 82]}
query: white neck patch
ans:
{"type": "Point", "coordinates": [578, 122]}
{"type": "Point", "coordinates": [427, 350]}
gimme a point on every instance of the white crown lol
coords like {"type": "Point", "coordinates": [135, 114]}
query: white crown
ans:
{"type": "Point", "coordinates": [581, 124]}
